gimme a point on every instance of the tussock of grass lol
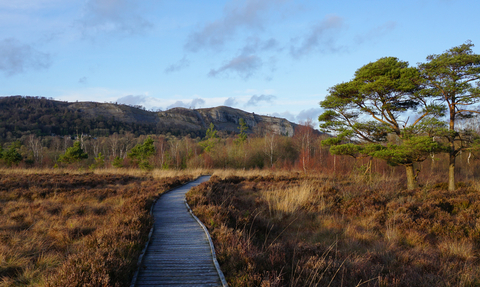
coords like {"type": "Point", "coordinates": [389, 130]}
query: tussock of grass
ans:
{"type": "Point", "coordinates": [288, 199]}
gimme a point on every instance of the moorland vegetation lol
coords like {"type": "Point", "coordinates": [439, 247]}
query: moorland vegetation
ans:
{"type": "Point", "coordinates": [76, 228]}
{"type": "Point", "coordinates": [297, 229]}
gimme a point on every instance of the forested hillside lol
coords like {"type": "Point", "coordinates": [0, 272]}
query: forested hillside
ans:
{"type": "Point", "coordinates": [22, 116]}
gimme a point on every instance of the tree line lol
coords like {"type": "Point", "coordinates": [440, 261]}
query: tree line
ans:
{"type": "Point", "coordinates": [262, 149]}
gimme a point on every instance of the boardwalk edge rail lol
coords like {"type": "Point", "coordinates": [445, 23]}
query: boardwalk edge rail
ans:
{"type": "Point", "coordinates": [212, 247]}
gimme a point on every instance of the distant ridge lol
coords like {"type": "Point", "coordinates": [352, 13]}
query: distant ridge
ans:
{"type": "Point", "coordinates": [23, 115]}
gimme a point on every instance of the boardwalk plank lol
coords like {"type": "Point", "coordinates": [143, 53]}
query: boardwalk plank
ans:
{"type": "Point", "coordinates": [179, 253]}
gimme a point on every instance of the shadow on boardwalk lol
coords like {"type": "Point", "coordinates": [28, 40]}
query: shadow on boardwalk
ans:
{"type": "Point", "coordinates": [179, 252]}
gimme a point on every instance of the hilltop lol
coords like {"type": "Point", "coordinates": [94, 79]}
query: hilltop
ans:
{"type": "Point", "coordinates": [20, 115]}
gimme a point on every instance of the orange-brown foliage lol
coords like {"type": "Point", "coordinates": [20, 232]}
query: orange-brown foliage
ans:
{"type": "Point", "coordinates": [349, 232]}
{"type": "Point", "coordinates": [61, 229]}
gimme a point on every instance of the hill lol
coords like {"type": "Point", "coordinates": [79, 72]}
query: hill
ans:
{"type": "Point", "coordinates": [21, 115]}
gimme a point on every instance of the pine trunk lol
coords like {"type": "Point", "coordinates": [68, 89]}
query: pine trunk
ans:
{"type": "Point", "coordinates": [451, 172]}
{"type": "Point", "coordinates": [451, 166]}
{"type": "Point", "coordinates": [411, 181]}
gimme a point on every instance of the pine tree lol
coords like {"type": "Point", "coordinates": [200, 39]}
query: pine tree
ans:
{"type": "Point", "coordinates": [454, 79]}
{"type": "Point", "coordinates": [372, 107]}
{"type": "Point", "coordinates": [73, 154]}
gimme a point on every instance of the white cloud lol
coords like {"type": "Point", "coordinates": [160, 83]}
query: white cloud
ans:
{"type": "Point", "coordinates": [309, 114]}
{"type": "Point", "coordinates": [198, 102]}
{"type": "Point", "coordinates": [230, 102]}
{"type": "Point", "coordinates": [195, 103]}
{"type": "Point", "coordinates": [255, 100]}
{"type": "Point", "coordinates": [285, 115]}
{"type": "Point", "coordinates": [132, 100]}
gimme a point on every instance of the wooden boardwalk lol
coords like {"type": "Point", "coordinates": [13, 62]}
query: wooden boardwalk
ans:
{"type": "Point", "coordinates": [179, 252]}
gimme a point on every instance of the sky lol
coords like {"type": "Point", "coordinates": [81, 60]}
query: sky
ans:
{"type": "Point", "coordinates": [270, 57]}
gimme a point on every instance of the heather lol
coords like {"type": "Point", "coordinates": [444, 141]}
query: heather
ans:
{"type": "Point", "coordinates": [75, 228]}
{"type": "Point", "coordinates": [296, 229]}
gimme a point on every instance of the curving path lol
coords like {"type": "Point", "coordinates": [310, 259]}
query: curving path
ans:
{"type": "Point", "coordinates": [179, 252]}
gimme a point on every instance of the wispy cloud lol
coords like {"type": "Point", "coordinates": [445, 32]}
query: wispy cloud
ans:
{"type": "Point", "coordinates": [286, 115]}
{"type": "Point", "coordinates": [244, 66]}
{"type": "Point", "coordinates": [244, 21]}
{"type": "Point", "coordinates": [309, 114]}
{"type": "Point", "coordinates": [180, 65]}
{"type": "Point", "coordinates": [114, 17]}
{"type": "Point", "coordinates": [322, 38]}
{"type": "Point", "coordinates": [195, 103]}
{"type": "Point", "coordinates": [132, 100]}
{"type": "Point", "coordinates": [255, 44]}
{"type": "Point", "coordinates": [249, 14]}
{"type": "Point", "coordinates": [230, 102]}
{"type": "Point", "coordinates": [376, 32]}
{"type": "Point", "coordinates": [255, 100]}
{"type": "Point", "coordinates": [16, 57]}
{"type": "Point", "coordinates": [157, 104]}
{"type": "Point", "coordinates": [29, 4]}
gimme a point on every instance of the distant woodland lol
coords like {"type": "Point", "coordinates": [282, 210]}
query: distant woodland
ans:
{"type": "Point", "coordinates": [114, 144]}
{"type": "Point", "coordinates": [21, 116]}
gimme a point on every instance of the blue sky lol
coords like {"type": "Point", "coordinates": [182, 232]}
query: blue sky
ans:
{"type": "Point", "coordinates": [272, 57]}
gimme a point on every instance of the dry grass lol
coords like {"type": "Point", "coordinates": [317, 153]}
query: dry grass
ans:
{"type": "Point", "coordinates": [224, 173]}
{"type": "Point", "coordinates": [315, 230]}
{"type": "Point", "coordinates": [287, 199]}
{"type": "Point", "coordinates": [463, 249]}
{"type": "Point", "coordinates": [75, 228]}
{"type": "Point", "coordinates": [156, 173]}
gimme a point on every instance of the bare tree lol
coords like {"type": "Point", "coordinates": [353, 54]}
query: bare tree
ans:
{"type": "Point", "coordinates": [161, 145]}
{"type": "Point", "coordinates": [36, 147]}
{"type": "Point", "coordinates": [270, 146]}
{"type": "Point", "coordinates": [114, 141]}
{"type": "Point", "coordinates": [303, 139]}
{"type": "Point", "coordinates": [175, 151]}
{"type": "Point", "coordinates": [95, 146]}
{"type": "Point", "coordinates": [67, 142]}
